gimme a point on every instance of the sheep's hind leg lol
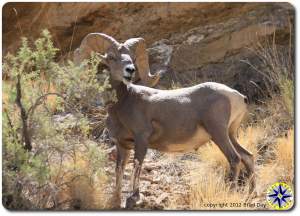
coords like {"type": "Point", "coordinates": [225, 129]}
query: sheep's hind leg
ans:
{"type": "Point", "coordinates": [246, 157]}
{"type": "Point", "coordinates": [219, 134]}
{"type": "Point", "coordinates": [248, 161]}
{"type": "Point", "coordinates": [139, 155]}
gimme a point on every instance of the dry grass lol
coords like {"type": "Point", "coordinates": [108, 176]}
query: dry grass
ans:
{"type": "Point", "coordinates": [285, 155]}
{"type": "Point", "coordinates": [212, 155]}
{"type": "Point", "coordinates": [250, 137]}
{"type": "Point", "coordinates": [209, 190]}
{"type": "Point", "coordinates": [278, 70]}
{"type": "Point", "coordinates": [84, 187]}
{"type": "Point", "coordinates": [84, 191]}
{"type": "Point", "coordinates": [282, 167]}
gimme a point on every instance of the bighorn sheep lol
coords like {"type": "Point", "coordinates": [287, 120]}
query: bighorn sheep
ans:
{"type": "Point", "coordinates": [167, 120]}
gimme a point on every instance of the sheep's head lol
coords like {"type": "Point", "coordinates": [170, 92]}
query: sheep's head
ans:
{"type": "Point", "coordinates": [128, 62]}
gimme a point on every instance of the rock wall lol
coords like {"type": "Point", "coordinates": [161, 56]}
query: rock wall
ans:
{"type": "Point", "coordinates": [189, 41]}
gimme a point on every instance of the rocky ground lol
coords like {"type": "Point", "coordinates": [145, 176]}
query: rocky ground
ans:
{"type": "Point", "coordinates": [164, 180]}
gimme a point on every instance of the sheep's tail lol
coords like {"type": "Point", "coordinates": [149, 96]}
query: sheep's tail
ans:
{"type": "Point", "coordinates": [246, 99]}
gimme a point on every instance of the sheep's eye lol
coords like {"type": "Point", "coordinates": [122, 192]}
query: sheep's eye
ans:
{"type": "Point", "coordinates": [110, 56]}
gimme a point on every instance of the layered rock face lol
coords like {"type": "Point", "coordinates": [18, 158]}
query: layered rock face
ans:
{"type": "Point", "coordinates": [190, 42]}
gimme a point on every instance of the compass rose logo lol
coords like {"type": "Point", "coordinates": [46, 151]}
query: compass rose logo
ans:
{"type": "Point", "coordinates": [280, 196]}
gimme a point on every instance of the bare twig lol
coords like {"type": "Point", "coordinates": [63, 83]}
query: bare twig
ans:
{"type": "Point", "coordinates": [25, 133]}
{"type": "Point", "coordinates": [40, 100]}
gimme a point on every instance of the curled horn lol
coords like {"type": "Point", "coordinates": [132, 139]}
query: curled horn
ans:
{"type": "Point", "coordinates": [138, 48]}
{"type": "Point", "coordinates": [94, 42]}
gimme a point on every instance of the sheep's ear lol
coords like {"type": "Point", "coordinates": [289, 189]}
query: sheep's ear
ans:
{"type": "Point", "coordinates": [103, 59]}
{"type": "Point", "coordinates": [94, 42]}
{"type": "Point", "coordinates": [138, 48]}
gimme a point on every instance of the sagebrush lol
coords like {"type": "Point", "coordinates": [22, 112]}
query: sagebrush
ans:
{"type": "Point", "coordinates": [48, 147]}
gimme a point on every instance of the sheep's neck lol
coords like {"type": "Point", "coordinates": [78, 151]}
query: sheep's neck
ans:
{"type": "Point", "coordinates": [121, 90]}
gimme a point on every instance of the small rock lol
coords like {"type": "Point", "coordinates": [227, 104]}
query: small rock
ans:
{"type": "Point", "coordinates": [194, 39]}
{"type": "Point", "coordinates": [161, 198]}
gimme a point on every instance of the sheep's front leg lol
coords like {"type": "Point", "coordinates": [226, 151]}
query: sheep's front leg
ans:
{"type": "Point", "coordinates": [122, 158]}
{"type": "Point", "coordinates": [139, 155]}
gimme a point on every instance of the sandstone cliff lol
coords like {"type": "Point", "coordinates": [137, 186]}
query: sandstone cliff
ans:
{"type": "Point", "coordinates": [199, 41]}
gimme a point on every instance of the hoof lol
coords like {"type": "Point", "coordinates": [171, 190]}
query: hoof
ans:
{"type": "Point", "coordinates": [132, 200]}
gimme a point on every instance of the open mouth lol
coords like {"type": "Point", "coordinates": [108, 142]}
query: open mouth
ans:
{"type": "Point", "coordinates": [128, 78]}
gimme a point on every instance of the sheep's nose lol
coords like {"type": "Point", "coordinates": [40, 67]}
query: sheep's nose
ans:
{"type": "Point", "coordinates": [130, 70]}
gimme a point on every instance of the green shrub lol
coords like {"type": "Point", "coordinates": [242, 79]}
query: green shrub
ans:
{"type": "Point", "coordinates": [53, 101]}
